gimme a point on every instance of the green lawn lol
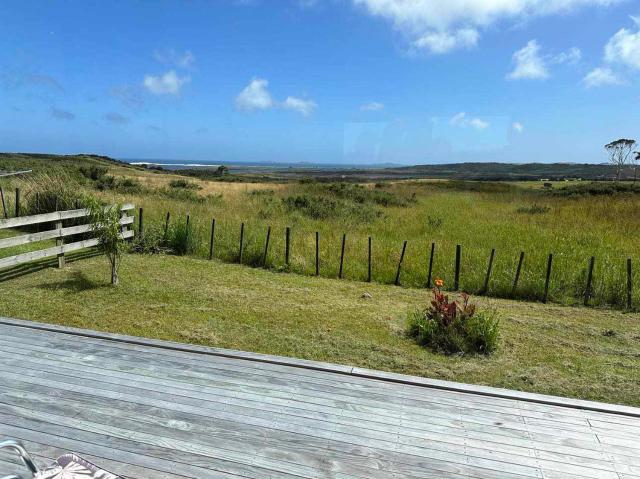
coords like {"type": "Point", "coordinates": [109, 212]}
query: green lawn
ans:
{"type": "Point", "coordinates": [544, 348]}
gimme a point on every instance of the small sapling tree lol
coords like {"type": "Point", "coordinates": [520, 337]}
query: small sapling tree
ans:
{"type": "Point", "coordinates": [105, 221]}
{"type": "Point", "coordinates": [636, 162]}
{"type": "Point", "coordinates": [619, 152]}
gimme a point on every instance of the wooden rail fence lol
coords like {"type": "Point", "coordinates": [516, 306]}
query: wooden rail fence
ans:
{"type": "Point", "coordinates": [59, 233]}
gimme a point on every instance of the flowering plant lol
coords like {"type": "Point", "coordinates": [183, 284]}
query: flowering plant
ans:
{"type": "Point", "coordinates": [454, 326]}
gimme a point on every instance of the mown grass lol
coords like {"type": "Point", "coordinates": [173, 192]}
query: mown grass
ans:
{"type": "Point", "coordinates": [578, 352]}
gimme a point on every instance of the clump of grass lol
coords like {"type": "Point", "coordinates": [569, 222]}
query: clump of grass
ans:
{"type": "Point", "coordinates": [93, 172]}
{"type": "Point", "coordinates": [181, 194]}
{"type": "Point", "coordinates": [184, 184]}
{"type": "Point", "coordinates": [322, 207]}
{"type": "Point", "coordinates": [51, 193]}
{"type": "Point", "coordinates": [153, 241]}
{"type": "Point", "coordinates": [360, 194]}
{"type": "Point", "coordinates": [181, 238]}
{"type": "Point", "coordinates": [534, 209]}
{"type": "Point", "coordinates": [595, 188]}
{"type": "Point", "coordinates": [434, 223]}
{"type": "Point", "coordinates": [454, 327]}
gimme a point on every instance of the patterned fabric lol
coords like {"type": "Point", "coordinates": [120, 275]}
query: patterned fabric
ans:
{"type": "Point", "coordinates": [71, 466]}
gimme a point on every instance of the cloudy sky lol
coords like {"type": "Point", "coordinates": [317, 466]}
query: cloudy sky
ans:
{"type": "Point", "coordinates": [334, 81]}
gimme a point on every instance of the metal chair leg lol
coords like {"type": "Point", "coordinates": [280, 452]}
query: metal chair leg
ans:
{"type": "Point", "coordinates": [24, 455]}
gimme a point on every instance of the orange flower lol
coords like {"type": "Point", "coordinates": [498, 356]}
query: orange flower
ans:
{"type": "Point", "coordinates": [439, 283]}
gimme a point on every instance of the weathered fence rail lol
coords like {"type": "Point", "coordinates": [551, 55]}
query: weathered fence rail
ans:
{"type": "Point", "coordinates": [59, 233]}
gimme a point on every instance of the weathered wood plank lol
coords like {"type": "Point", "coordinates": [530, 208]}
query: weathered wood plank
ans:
{"type": "Point", "coordinates": [53, 234]}
{"type": "Point", "coordinates": [50, 217]}
{"type": "Point", "coordinates": [53, 251]}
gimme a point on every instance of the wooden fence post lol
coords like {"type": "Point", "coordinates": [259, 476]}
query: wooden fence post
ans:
{"type": "Point", "coordinates": [60, 242]}
{"type": "Point", "coordinates": [548, 278]}
{"type": "Point", "coordinates": [266, 247]}
{"type": "Point", "coordinates": [344, 239]}
{"type": "Point", "coordinates": [456, 278]}
{"type": "Point", "coordinates": [629, 284]}
{"type": "Point", "coordinates": [4, 204]}
{"type": "Point", "coordinates": [17, 202]}
{"type": "Point", "coordinates": [140, 223]}
{"type": "Point", "coordinates": [213, 235]}
{"type": "Point", "coordinates": [37, 202]}
{"type": "Point", "coordinates": [517, 277]}
{"type": "Point", "coordinates": [485, 287]}
{"type": "Point", "coordinates": [430, 272]}
{"type": "Point", "coordinates": [404, 247]}
{"type": "Point", "coordinates": [166, 226]}
{"type": "Point", "coordinates": [587, 291]}
{"type": "Point", "coordinates": [287, 245]}
{"type": "Point", "coordinates": [369, 262]}
{"type": "Point", "coordinates": [241, 242]}
{"type": "Point", "coordinates": [317, 253]}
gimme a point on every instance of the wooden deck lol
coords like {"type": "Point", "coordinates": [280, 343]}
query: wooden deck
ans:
{"type": "Point", "coordinates": [151, 410]}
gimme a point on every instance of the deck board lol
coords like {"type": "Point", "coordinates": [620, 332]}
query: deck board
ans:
{"type": "Point", "coordinates": [149, 411]}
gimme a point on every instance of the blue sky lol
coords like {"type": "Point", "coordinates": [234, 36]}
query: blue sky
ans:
{"type": "Point", "coordinates": [334, 81]}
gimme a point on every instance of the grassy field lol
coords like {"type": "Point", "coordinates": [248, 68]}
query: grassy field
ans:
{"type": "Point", "coordinates": [580, 352]}
{"type": "Point", "coordinates": [510, 217]}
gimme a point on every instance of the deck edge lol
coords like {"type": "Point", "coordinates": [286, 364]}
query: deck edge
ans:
{"type": "Point", "coordinates": [335, 368]}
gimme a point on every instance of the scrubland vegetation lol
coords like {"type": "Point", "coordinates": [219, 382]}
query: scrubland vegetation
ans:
{"type": "Point", "coordinates": [574, 221]}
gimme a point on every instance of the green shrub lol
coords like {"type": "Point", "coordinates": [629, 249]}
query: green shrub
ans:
{"type": "Point", "coordinates": [181, 239]}
{"type": "Point", "coordinates": [322, 207]}
{"type": "Point", "coordinates": [181, 194]}
{"type": "Point", "coordinates": [187, 185]}
{"type": "Point", "coordinates": [454, 327]}
{"type": "Point", "coordinates": [93, 172]}
{"type": "Point", "coordinates": [153, 240]}
{"type": "Point", "coordinates": [360, 194]}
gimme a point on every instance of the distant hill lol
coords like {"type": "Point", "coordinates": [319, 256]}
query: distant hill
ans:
{"type": "Point", "coordinates": [510, 171]}
{"type": "Point", "coordinates": [459, 171]}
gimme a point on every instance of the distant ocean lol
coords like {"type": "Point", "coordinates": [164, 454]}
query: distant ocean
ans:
{"type": "Point", "coordinates": [174, 164]}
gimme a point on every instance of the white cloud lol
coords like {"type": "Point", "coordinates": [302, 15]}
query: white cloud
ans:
{"type": "Point", "coordinates": [168, 84]}
{"type": "Point", "coordinates": [305, 107]}
{"type": "Point", "coordinates": [517, 126]}
{"type": "Point", "coordinates": [255, 96]}
{"type": "Point", "coordinates": [601, 76]}
{"type": "Point", "coordinates": [570, 57]}
{"type": "Point", "coordinates": [461, 119]}
{"type": "Point", "coordinates": [444, 42]}
{"type": "Point", "coordinates": [624, 48]}
{"type": "Point", "coordinates": [171, 57]}
{"type": "Point", "coordinates": [441, 22]}
{"type": "Point", "coordinates": [372, 106]}
{"type": "Point", "coordinates": [529, 64]}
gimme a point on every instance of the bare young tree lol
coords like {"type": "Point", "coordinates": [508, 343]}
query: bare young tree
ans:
{"type": "Point", "coordinates": [619, 152]}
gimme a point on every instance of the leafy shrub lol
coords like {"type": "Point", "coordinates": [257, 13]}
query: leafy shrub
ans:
{"type": "Point", "coordinates": [322, 207]}
{"type": "Point", "coordinates": [93, 172]}
{"type": "Point", "coordinates": [360, 194]}
{"type": "Point", "coordinates": [187, 185]}
{"type": "Point", "coordinates": [595, 188]}
{"type": "Point", "coordinates": [534, 209]}
{"type": "Point", "coordinates": [122, 185]}
{"type": "Point", "coordinates": [454, 327]}
{"type": "Point", "coordinates": [316, 207]}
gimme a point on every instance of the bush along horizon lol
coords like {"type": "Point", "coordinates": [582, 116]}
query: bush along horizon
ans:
{"type": "Point", "coordinates": [454, 327]}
